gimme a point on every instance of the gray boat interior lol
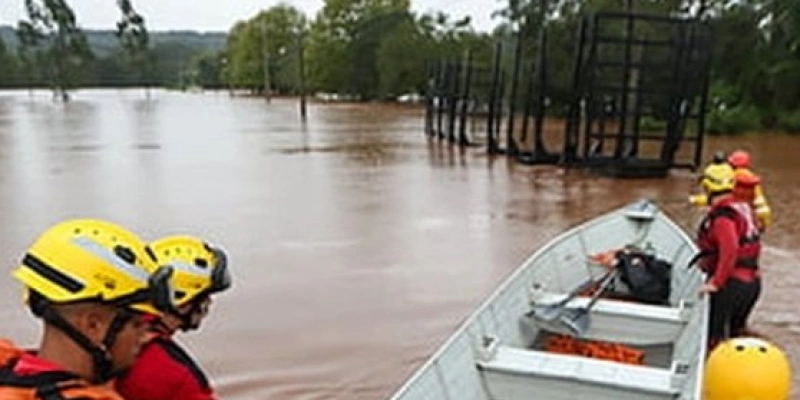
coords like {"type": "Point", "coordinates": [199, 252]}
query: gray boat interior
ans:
{"type": "Point", "coordinates": [497, 354]}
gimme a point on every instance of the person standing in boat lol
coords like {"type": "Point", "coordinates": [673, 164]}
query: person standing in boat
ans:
{"type": "Point", "coordinates": [741, 163]}
{"type": "Point", "coordinates": [730, 246]}
{"type": "Point", "coordinates": [164, 370]}
{"type": "Point", "coordinates": [88, 281]}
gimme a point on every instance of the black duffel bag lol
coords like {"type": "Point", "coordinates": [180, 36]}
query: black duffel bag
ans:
{"type": "Point", "coordinates": [647, 277]}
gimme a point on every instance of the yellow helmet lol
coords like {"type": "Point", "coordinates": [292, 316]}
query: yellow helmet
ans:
{"type": "Point", "coordinates": [718, 178]}
{"type": "Point", "coordinates": [88, 259]}
{"type": "Point", "coordinates": [747, 369]}
{"type": "Point", "coordinates": [199, 268]}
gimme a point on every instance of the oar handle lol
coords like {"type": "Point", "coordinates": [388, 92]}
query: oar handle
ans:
{"type": "Point", "coordinates": [603, 286]}
{"type": "Point", "coordinates": [590, 283]}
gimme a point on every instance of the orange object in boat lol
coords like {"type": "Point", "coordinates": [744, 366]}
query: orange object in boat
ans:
{"type": "Point", "coordinates": [564, 344]}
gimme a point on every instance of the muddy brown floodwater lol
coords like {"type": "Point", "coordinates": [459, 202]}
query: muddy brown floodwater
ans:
{"type": "Point", "coordinates": [357, 245]}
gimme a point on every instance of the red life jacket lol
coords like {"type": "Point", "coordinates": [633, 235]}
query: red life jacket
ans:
{"type": "Point", "coordinates": [746, 230]}
{"type": "Point", "coordinates": [46, 385]}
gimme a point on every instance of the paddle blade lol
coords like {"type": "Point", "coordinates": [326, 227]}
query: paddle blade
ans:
{"type": "Point", "coordinates": [576, 320]}
{"type": "Point", "coordinates": [546, 312]}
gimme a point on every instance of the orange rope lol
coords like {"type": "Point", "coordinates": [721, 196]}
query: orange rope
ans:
{"type": "Point", "coordinates": [564, 344]}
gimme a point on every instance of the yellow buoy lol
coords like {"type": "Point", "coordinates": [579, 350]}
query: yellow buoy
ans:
{"type": "Point", "coordinates": [747, 369]}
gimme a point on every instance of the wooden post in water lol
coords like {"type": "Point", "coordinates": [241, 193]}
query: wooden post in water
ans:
{"type": "Point", "coordinates": [265, 53]}
{"type": "Point", "coordinates": [511, 139]}
{"type": "Point", "coordinates": [302, 71]}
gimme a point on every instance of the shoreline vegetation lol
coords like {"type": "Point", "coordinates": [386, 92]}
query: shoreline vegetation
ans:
{"type": "Point", "coordinates": [382, 51]}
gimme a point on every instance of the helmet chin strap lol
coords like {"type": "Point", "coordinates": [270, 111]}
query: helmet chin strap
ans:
{"type": "Point", "coordinates": [103, 365]}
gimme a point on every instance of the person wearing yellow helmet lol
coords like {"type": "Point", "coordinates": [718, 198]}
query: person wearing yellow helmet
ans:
{"type": "Point", "coordinates": [719, 160]}
{"type": "Point", "coordinates": [747, 369]}
{"type": "Point", "coordinates": [730, 247]}
{"type": "Point", "coordinates": [741, 162]}
{"type": "Point", "coordinates": [164, 370]}
{"type": "Point", "coordinates": [91, 282]}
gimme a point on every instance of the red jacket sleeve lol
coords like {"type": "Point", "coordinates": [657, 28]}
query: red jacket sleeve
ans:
{"type": "Point", "coordinates": [724, 230]}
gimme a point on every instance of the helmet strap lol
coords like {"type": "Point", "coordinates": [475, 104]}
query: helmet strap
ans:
{"type": "Point", "coordinates": [122, 317]}
{"type": "Point", "coordinates": [101, 359]}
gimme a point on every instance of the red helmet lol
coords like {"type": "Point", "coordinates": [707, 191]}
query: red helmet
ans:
{"type": "Point", "coordinates": [739, 159]}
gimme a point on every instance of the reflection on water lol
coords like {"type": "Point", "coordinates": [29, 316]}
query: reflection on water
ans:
{"type": "Point", "coordinates": [357, 244]}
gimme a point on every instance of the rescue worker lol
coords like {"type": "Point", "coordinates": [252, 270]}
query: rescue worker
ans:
{"type": "Point", "coordinates": [730, 247]}
{"type": "Point", "coordinates": [718, 161]}
{"type": "Point", "coordinates": [747, 369]}
{"type": "Point", "coordinates": [91, 282]}
{"type": "Point", "coordinates": [741, 163]}
{"type": "Point", "coordinates": [164, 371]}
{"type": "Point", "coordinates": [746, 190]}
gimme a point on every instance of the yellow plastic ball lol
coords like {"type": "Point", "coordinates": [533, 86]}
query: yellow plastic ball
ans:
{"type": "Point", "coordinates": [747, 369]}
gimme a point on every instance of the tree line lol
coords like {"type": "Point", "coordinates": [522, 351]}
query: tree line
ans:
{"type": "Point", "coordinates": [48, 49]}
{"type": "Point", "coordinates": [380, 49]}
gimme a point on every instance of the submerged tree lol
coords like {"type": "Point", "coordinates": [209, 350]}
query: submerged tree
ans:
{"type": "Point", "coordinates": [51, 40]}
{"type": "Point", "coordinates": [29, 54]}
{"type": "Point", "coordinates": [259, 51]}
{"type": "Point", "coordinates": [54, 40]}
{"type": "Point", "coordinates": [345, 40]}
{"type": "Point", "coordinates": [135, 40]}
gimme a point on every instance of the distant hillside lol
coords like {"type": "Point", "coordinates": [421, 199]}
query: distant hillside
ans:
{"type": "Point", "coordinates": [104, 42]}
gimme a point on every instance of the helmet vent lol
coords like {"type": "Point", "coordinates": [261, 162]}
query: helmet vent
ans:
{"type": "Point", "coordinates": [201, 262]}
{"type": "Point", "coordinates": [125, 254]}
{"type": "Point", "coordinates": [739, 348]}
{"type": "Point", "coordinates": [150, 253]}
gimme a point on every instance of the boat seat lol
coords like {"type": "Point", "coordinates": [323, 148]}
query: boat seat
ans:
{"type": "Point", "coordinates": [611, 306]}
{"type": "Point", "coordinates": [622, 321]}
{"type": "Point", "coordinates": [516, 362]}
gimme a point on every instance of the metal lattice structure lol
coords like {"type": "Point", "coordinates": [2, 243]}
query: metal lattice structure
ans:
{"type": "Point", "coordinates": [647, 84]}
{"type": "Point", "coordinates": [635, 108]}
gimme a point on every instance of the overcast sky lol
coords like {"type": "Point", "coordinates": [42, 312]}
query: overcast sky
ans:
{"type": "Point", "coordinates": [220, 15]}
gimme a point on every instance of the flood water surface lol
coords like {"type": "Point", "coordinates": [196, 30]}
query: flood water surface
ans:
{"type": "Point", "coordinates": [357, 245]}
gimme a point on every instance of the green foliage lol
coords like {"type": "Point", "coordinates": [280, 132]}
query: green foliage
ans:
{"type": "Point", "coordinates": [328, 62]}
{"type": "Point", "coordinates": [789, 122]}
{"type": "Point", "coordinates": [346, 36]}
{"type": "Point", "coordinates": [737, 119]}
{"type": "Point", "coordinates": [271, 39]}
{"type": "Point", "coordinates": [399, 69]}
{"type": "Point", "coordinates": [379, 49]}
{"type": "Point", "coordinates": [207, 70]}
{"type": "Point", "coordinates": [170, 55]}
{"type": "Point", "coordinates": [51, 41]}
{"type": "Point", "coordinates": [8, 67]}
{"type": "Point", "coordinates": [135, 41]}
